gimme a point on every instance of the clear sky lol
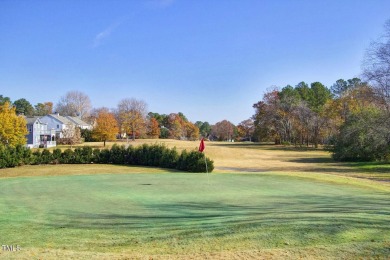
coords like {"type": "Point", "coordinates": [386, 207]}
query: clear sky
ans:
{"type": "Point", "coordinates": [209, 59]}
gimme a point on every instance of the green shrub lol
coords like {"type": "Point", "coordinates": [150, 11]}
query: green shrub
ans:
{"type": "Point", "coordinates": [194, 161]}
{"type": "Point", "coordinates": [96, 155]}
{"type": "Point", "coordinates": [364, 136]}
{"type": "Point", "coordinates": [57, 155]}
{"type": "Point", "coordinates": [8, 157]}
{"type": "Point", "coordinates": [170, 158]}
{"type": "Point", "coordinates": [67, 157]}
{"type": "Point", "coordinates": [104, 156]}
{"type": "Point", "coordinates": [46, 157]}
{"type": "Point", "coordinates": [25, 155]}
{"type": "Point", "coordinates": [129, 155]}
{"type": "Point", "coordinates": [36, 157]}
{"type": "Point", "coordinates": [83, 155]}
{"type": "Point", "coordinates": [117, 154]}
{"type": "Point", "coordinates": [145, 155]}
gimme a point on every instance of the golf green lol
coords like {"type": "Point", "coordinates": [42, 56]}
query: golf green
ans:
{"type": "Point", "coordinates": [182, 213]}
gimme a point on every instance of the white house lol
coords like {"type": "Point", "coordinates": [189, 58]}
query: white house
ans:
{"type": "Point", "coordinates": [79, 123]}
{"type": "Point", "coordinates": [60, 123]}
{"type": "Point", "coordinates": [38, 134]}
{"type": "Point", "coordinates": [57, 123]}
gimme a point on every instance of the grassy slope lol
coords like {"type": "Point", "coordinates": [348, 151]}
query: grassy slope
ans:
{"type": "Point", "coordinates": [290, 209]}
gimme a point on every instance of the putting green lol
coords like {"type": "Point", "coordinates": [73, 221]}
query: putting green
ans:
{"type": "Point", "coordinates": [182, 213]}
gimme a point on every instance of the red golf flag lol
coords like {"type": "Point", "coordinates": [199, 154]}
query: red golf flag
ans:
{"type": "Point", "coordinates": [201, 146]}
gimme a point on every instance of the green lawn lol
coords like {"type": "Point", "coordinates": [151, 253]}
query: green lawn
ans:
{"type": "Point", "coordinates": [182, 214]}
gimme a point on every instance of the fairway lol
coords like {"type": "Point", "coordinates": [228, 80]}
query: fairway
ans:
{"type": "Point", "coordinates": [169, 215]}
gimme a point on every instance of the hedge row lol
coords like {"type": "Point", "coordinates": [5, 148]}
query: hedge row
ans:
{"type": "Point", "coordinates": [145, 155]}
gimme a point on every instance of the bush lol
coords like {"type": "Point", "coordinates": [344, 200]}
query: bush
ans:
{"type": "Point", "coordinates": [46, 157]}
{"type": "Point", "coordinates": [67, 157]}
{"type": "Point", "coordinates": [146, 155]}
{"type": "Point", "coordinates": [363, 137]}
{"type": "Point", "coordinates": [169, 158]}
{"type": "Point", "coordinates": [8, 157]}
{"type": "Point", "coordinates": [129, 155]}
{"type": "Point", "coordinates": [83, 155]}
{"type": "Point", "coordinates": [36, 157]}
{"type": "Point", "coordinates": [194, 161]}
{"type": "Point", "coordinates": [57, 155]}
{"type": "Point", "coordinates": [96, 155]}
{"type": "Point", "coordinates": [104, 156]}
{"type": "Point", "coordinates": [117, 154]}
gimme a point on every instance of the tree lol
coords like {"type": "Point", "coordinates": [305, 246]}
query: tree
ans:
{"type": "Point", "coordinates": [339, 87]}
{"type": "Point", "coordinates": [246, 128]}
{"type": "Point", "coordinates": [223, 130]}
{"type": "Point", "coordinates": [159, 117]}
{"type": "Point", "coordinates": [43, 109]}
{"type": "Point", "coordinates": [132, 116]}
{"type": "Point", "coordinates": [74, 103]}
{"type": "Point", "coordinates": [175, 126]}
{"type": "Point", "coordinates": [106, 126]}
{"type": "Point", "coordinates": [364, 136]}
{"type": "Point", "coordinates": [303, 90]}
{"type": "Point", "coordinates": [192, 131]}
{"type": "Point", "coordinates": [3, 100]}
{"type": "Point", "coordinates": [342, 87]}
{"type": "Point", "coordinates": [377, 67]}
{"type": "Point", "coordinates": [23, 107]}
{"type": "Point", "coordinates": [70, 135]}
{"type": "Point", "coordinates": [153, 128]}
{"type": "Point", "coordinates": [320, 95]}
{"type": "Point", "coordinates": [265, 117]}
{"type": "Point", "coordinates": [204, 128]}
{"type": "Point", "coordinates": [13, 128]}
{"type": "Point", "coordinates": [303, 122]}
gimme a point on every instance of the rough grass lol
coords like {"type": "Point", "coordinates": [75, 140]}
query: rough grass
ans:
{"type": "Point", "coordinates": [276, 202]}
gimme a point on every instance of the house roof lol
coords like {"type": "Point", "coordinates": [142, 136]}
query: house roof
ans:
{"type": "Point", "coordinates": [62, 119]}
{"type": "Point", "coordinates": [32, 119]}
{"type": "Point", "coordinates": [77, 120]}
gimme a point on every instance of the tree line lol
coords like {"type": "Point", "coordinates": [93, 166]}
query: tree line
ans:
{"type": "Point", "coordinates": [352, 117]}
{"type": "Point", "coordinates": [130, 119]}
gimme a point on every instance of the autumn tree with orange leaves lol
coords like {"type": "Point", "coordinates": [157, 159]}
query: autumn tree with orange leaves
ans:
{"type": "Point", "coordinates": [106, 126]}
{"type": "Point", "coordinates": [153, 128]}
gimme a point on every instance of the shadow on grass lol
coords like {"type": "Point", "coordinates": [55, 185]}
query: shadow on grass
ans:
{"type": "Point", "coordinates": [267, 146]}
{"type": "Point", "coordinates": [313, 160]}
{"type": "Point", "coordinates": [297, 218]}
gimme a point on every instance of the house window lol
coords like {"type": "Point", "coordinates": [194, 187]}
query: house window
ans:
{"type": "Point", "coordinates": [30, 128]}
{"type": "Point", "coordinates": [58, 126]}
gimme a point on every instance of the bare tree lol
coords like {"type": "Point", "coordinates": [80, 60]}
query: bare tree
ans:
{"type": "Point", "coordinates": [74, 103]}
{"type": "Point", "coordinates": [376, 66]}
{"type": "Point", "coordinates": [71, 135]}
{"type": "Point", "coordinates": [131, 114]}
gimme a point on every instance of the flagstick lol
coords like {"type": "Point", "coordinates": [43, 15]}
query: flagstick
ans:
{"type": "Point", "coordinates": [201, 149]}
{"type": "Point", "coordinates": [205, 161]}
{"type": "Point", "coordinates": [206, 164]}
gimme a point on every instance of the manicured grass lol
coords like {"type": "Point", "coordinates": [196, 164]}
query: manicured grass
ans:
{"type": "Point", "coordinates": [261, 202]}
{"type": "Point", "coordinates": [189, 214]}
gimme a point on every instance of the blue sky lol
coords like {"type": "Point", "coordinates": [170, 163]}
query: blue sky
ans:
{"type": "Point", "coordinates": [211, 60]}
